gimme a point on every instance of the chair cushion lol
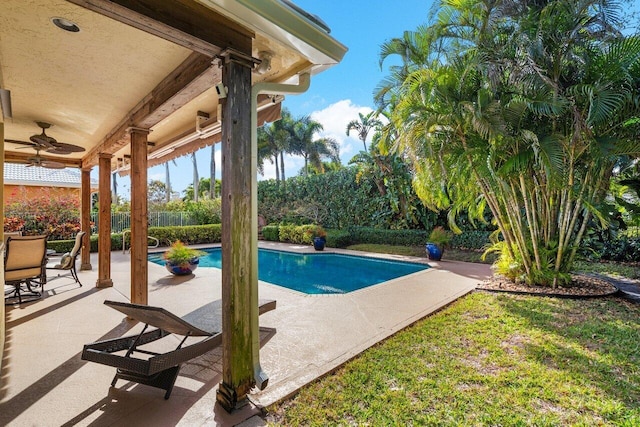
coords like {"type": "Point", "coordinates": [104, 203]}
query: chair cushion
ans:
{"type": "Point", "coordinates": [65, 261]}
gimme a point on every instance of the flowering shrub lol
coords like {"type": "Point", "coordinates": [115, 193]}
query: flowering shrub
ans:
{"type": "Point", "coordinates": [58, 217]}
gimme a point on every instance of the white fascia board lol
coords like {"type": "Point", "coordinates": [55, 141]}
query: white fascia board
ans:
{"type": "Point", "coordinates": [276, 20]}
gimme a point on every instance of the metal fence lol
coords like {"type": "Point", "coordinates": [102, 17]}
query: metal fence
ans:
{"type": "Point", "coordinates": [122, 220]}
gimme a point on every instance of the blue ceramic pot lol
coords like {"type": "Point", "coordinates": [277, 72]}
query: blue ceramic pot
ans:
{"type": "Point", "coordinates": [434, 252]}
{"type": "Point", "coordinates": [184, 268]}
{"type": "Point", "coordinates": [318, 243]}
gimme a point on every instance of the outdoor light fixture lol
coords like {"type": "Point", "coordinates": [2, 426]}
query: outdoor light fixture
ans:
{"type": "Point", "coordinates": [265, 64]}
{"type": "Point", "coordinates": [5, 102]}
{"type": "Point", "coordinates": [65, 24]}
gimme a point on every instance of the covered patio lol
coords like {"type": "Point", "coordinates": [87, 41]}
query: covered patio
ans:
{"type": "Point", "coordinates": [307, 336]}
{"type": "Point", "coordinates": [123, 85]}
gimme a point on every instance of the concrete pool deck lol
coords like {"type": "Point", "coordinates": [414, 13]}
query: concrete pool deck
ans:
{"type": "Point", "coordinates": [44, 381]}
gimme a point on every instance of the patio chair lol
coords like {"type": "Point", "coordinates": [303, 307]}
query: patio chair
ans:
{"type": "Point", "coordinates": [155, 369]}
{"type": "Point", "coordinates": [24, 261]}
{"type": "Point", "coordinates": [68, 260]}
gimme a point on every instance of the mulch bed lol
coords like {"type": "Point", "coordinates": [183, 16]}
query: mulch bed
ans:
{"type": "Point", "coordinates": [581, 286]}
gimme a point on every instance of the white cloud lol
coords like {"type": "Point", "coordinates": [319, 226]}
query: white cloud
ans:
{"type": "Point", "coordinates": [334, 119]}
{"type": "Point", "coordinates": [158, 176]}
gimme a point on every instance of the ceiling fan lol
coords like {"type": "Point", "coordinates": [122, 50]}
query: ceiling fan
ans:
{"type": "Point", "coordinates": [44, 163]}
{"type": "Point", "coordinates": [47, 143]}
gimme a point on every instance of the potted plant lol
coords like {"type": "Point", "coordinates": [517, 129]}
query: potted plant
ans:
{"type": "Point", "coordinates": [438, 240]}
{"type": "Point", "coordinates": [319, 237]}
{"type": "Point", "coordinates": [180, 259]}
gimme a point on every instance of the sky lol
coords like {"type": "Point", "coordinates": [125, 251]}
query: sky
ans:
{"type": "Point", "coordinates": [335, 96]}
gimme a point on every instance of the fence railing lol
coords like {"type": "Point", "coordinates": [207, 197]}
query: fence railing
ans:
{"type": "Point", "coordinates": [122, 220]}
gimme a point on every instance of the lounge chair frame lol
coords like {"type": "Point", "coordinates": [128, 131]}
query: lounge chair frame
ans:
{"type": "Point", "coordinates": [160, 370]}
{"type": "Point", "coordinates": [75, 251]}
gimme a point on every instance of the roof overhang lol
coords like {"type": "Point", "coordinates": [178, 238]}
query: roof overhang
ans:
{"type": "Point", "coordinates": [141, 64]}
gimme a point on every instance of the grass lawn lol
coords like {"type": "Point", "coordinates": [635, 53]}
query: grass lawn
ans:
{"type": "Point", "coordinates": [489, 359]}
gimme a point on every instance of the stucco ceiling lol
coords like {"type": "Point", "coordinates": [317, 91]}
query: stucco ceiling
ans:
{"type": "Point", "coordinates": [86, 83]}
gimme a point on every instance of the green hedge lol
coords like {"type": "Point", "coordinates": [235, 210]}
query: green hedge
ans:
{"type": "Point", "coordinates": [473, 240]}
{"type": "Point", "coordinates": [338, 238]}
{"type": "Point", "coordinates": [189, 234]}
{"type": "Point", "coordinates": [271, 232]}
{"type": "Point", "coordinates": [388, 237]}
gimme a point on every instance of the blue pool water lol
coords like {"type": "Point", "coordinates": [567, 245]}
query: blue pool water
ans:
{"type": "Point", "coordinates": [318, 273]}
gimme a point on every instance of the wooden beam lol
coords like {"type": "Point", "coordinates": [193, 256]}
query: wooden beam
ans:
{"type": "Point", "coordinates": [194, 76]}
{"type": "Point", "coordinates": [187, 23]}
{"type": "Point", "coordinates": [139, 217]}
{"type": "Point", "coordinates": [104, 223]}
{"type": "Point", "coordinates": [85, 218]}
{"type": "Point", "coordinates": [23, 157]}
{"type": "Point", "coordinates": [237, 263]}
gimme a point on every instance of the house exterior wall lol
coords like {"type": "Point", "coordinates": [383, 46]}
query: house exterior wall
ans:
{"type": "Point", "coordinates": [20, 193]}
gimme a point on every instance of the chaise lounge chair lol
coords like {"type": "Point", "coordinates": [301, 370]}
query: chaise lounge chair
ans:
{"type": "Point", "coordinates": [160, 370]}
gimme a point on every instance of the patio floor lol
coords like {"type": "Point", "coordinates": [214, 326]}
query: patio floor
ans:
{"type": "Point", "coordinates": [44, 382]}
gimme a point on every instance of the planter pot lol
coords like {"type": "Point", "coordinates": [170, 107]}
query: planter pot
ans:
{"type": "Point", "coordinates": [184, 268]}
{"type": "Point", "coordinates": [434, 252]}
{"type": "Point", "coordinates": [318, 243]}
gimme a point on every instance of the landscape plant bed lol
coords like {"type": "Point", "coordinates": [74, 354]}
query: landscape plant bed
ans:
{"type": "Point", "coordinates": [582, 286]}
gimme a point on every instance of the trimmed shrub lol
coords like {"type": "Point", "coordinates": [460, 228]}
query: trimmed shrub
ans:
{"type": "Point", "coordinates": [388, 237]}
{"type": "Point", "coordinates": [338, 238]}
{"type": "Point", "coordinates": [301, 234]}
{"type": "Point", "coordinates": [471, 240]}
{"type": "Point", "coordinates": [271, 232]}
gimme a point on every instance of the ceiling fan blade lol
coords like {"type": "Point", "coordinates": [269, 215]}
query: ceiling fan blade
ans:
{"type": "Point", "coordinates": [50, 164]}
{"type": "Point", "coordinates": [64, 148]}
{"type": "Point", "coordinates": [41, 140]}
{"type": "Point", "coordinates": [15, 141]}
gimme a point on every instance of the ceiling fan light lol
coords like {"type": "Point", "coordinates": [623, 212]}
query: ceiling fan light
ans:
{"type": "Point", "coordinates": [65, 24]}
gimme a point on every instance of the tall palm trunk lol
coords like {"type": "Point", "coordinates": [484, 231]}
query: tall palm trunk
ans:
{"type": "Point", "coordinates": [284, 180]}
{"type": "Point", "coordinates": [212, 172]}
{"type": "Point", "coordinates": [196, 178]}
{"type": "Point", "coordinates": [115, 187]}
{"type": "Point", "coordinates": [167, 183]}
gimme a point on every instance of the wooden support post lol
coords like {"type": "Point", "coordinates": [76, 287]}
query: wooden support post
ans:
{"type": "Point", "coordinates": [104, 222]}
{"type": "Point", "coordinates": [85, 219]}
{"type": "Point", "coordinates": [139, 217]}
{"type": "Point", "coordinates": [237, 262]}
{"type": "Point", "coordinates": [2, 309]}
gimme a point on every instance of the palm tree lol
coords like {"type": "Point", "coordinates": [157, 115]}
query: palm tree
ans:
{"type": "Point", "coordinates": [520, 111]}
{"type": "Point", "coordinates": [273, 142]}
{"type": "Point", "coordinates": [303, 143]}
{"type": "Point", "coordinates": [363, 126]}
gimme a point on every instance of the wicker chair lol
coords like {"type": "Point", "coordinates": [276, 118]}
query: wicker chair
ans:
{"type": "Point", "coordinates": [24, 262]}
{"type": "Point", "coordinates": [68, 260]}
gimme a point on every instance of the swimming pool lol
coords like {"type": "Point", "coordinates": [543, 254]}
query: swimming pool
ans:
{"type": "Point", "coordinates": [317, 273]}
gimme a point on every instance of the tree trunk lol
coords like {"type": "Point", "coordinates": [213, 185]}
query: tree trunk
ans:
{"type": "Point", "coordinates": [212, 183]}
{"type": "Point", "coordinates": [196, 178]}
{"type": "Point", "coordinates": [284, 181]}
{"type": "Point", "coordinates": [167, 183]}
{"type": "Point", "coordinates": [115, 187]}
